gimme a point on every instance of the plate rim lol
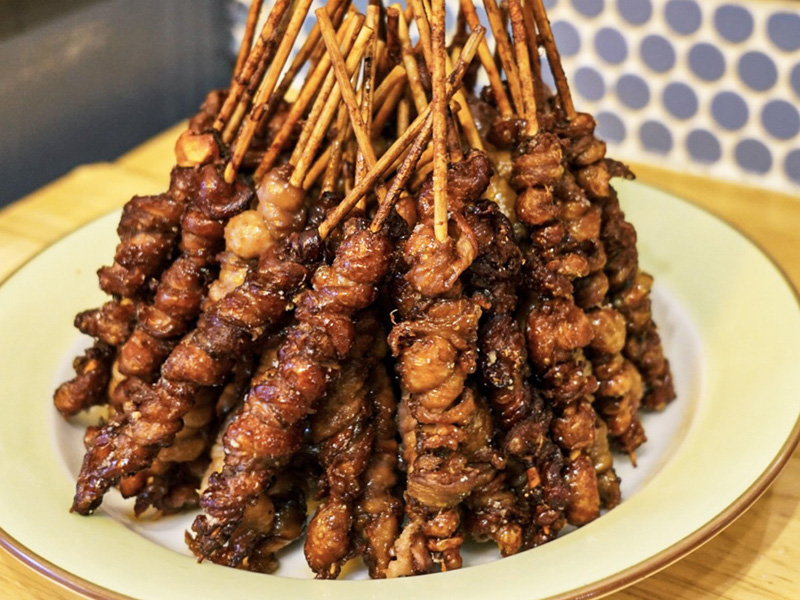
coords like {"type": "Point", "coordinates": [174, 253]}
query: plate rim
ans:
{"type": "Point", "coordinates": [596, 589]}
{"type": "Point", "coordinates": [612, 583]}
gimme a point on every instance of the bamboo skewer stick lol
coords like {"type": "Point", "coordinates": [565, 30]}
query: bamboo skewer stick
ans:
{"type": "Point", "coordinates": [244, 104]}
{"type": "Point", "coordinates": [505, 52]}
{"type": "Point", "coordinates": [331, 104]}
{"type": "Point", "coordinates": [340, 69]}
{"type": "Point", "coordinates": [349, 165]}
{"type": "Point", "coordinates": [322, 96]}
{"type": "Point", "coordinates": [336, 10]}
{"type": "Point", "coordinates": [401, 178]}
{"type": "Point", "coordinates": [319, 102]}
{"type": "Point", "coordinates": [523, 62]}
{"type": "Point", "coordinates": [395, 77]}
{"type": "Point", "coordinates": [387, 107]}
{"type": "Point", "coordinates": [384, 93]}
{"type": "Point", "coordinates": [387, 95]}
{"type": "Point", "coordinates": [383, 97]}
{"type": "Point", "coordinates": [453, 139]}
{"type": "Point", "coordinates": [395, 80]}
{"type": "Point", "coordinates": [320, 166]}
{"type": "Point", "coordinates": [408, 14]}
{"type": "Point", "coordinates": [267, 86]}
{"type": "Point", "coordinates": [359, 169]}
{"type": "Point", "coordinates": [402, 142]}
{"type": "Point", "coordinates": [487, 60]}
{"type": "Point", "coordinates": [440, 110]}
{"type": "Point", "coordinates": [247, 38]}
{"type": "Point", "coordinates": [394, 50]}
{"type": "Point", "coordinates": [533, 46]}
{"type": "Point", "coordinates": [410, 62]}
{"type": "Point", "coordinates": [426, 157]}
{"type": "Point", "coordinates": [380, 54]}
{"type": "Point", "coordinates": [261, 51]}
{"type": "Point", "coordinates": [503, 6]}
{"type": "Point", "coordinates": [343, 73]}
{"type": "Point", "coordinates": [239, 113]}
{"type": "Point", "coordinates": [315, 79]}
{"type": "Point", "coordinates": [334, 152]}
{"type": "Point", "coordinates": [348, 11]}
{"type": "Point", "coordinates": [332, 158]}
{"type": "Point", "coordinates": [421, 11]}
{"type": "Point", "coordinates": [370, 65]}
{"type": "Point", "coordinates": [464, 115]}
{"type": "Point", "coordinates": [420, 175]}
{"type": "Point", "coordinates": [422, 15]}
{"type": "Point", "coordinates": [346, 90]}
{"type": "Point", "coordinates": [403, 113]}
{"type": "Point", "coordinates": [543, 23]}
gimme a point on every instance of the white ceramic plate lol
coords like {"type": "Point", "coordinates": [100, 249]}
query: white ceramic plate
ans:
{"type": "Point", "coordinates": [731, 328]}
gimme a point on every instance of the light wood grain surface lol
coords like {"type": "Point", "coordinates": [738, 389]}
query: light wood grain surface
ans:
{"type": "Point", "coordinates": [757, 557]}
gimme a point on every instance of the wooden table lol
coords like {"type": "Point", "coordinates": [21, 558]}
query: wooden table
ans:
{"type": "Point", "coordinates": [757, 557]}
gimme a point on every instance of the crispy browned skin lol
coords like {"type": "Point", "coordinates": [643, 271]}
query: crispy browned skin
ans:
{"type": "Point", "coordinates": [288, 495]}
{"type": "Point", "coordinates": [379, 510]}
{"type": "Point", "coordinates": [619, 392]}
{"type": "Point", "coordinates": [629, 292]}
{"type": "Point", "coordinates": [172, 482]}
{"type": "Point", "coordinates": [268, 431]}
{"type": "Point", "coordinates": [90, 384]}
{"type": "Point", "coordinates": [148, 231]}
{"type": "Point", "coordinates": [564, 245]}
{"type": "Point", "coordinates": [182, 286]}
{"type": "Point", "coordinates": [607, 480]}
{"type": "Point", "coordinates": [159, 327]}
{"type": "Point", "coordinates": [112, 323]}
{"type": "Point", "coordinates": [617, 296]}
{"type": "Point", "coordinates": [204, 357]}
{"type": "Point", "coordinates": [629, 287]}
{"type": "Point", "coordinates": [492, 510]}
{"type": "Point", "coordinates": [344, 435]}
{"type": "Point", "coordinates": [280, 212]}
{"type": "Point", "coordinates": [434, 267]}
{"type": "Point", "coordinates": [445, 424]}
{"type": "Point", "coordinates": [518, 410]}
{"type": "Point", "coordinates": [620, 389]}
{"type": "Point", "coordinates": [270, 522]}
{"type": "Point", "coordinates": [522, 352]}
{"type": "Point", "coordinates": [447, 446]}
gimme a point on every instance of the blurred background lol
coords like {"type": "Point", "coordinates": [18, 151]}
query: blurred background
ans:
{"type": "Point", "coordinates": [86, 80]}
{"type": "Point", "coordinates": [710, 87]}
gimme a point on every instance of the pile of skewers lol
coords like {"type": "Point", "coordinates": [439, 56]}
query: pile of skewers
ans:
{"type": "Point", "coordinates": [411, 300]}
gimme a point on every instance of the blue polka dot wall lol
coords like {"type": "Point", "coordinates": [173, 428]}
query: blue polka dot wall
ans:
{"type": "Point", "coordinates": [708, 87]}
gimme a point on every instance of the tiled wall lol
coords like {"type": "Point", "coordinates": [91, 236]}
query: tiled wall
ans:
{"type": "Point", "coordinates": [707, 86]}
{"type": "Point", "coordinates": [702, 86]}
